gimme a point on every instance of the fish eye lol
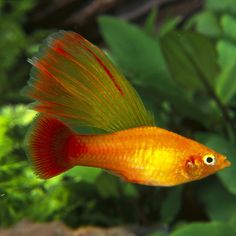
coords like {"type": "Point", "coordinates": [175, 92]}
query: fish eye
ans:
{"type": "Point", "coordinates": [209, 159]}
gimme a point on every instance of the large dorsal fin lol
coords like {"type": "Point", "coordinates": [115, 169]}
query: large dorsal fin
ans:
{"type": "Point", "coordinates": [74, 80]}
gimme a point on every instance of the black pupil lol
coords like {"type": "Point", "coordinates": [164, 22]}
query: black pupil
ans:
{"type": "Point", "coordinates": [209, 159]}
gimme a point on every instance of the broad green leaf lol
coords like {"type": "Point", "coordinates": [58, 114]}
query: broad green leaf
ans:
{"type": "Point", "coordinates": [214, 193]}
{"type": "Point", "coordinates": [171, 205]}
{"type": "Point", "coordinates": [191, 58]}
{"type": "Point", "coordinates": [226, 83]}
{"type": "Point", "coordinates": [137, 54]}
{"type": "Point", "coordinates": [226, 53]}
{"type": "Point", "coordinates": [207, 23]}
{"type": "Point", "coordinates": [205, 229]}
{"type": "Point", "coordinates": [229, 25]}
{"type": "Point", "coordinates": [221, 6]}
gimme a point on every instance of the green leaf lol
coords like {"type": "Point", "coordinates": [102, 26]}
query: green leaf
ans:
{"type": "Point", "coordinates": [207, 23]}
{"type": "Point", "coordinates": [205, 229]}
{"type": "Point", "coordinates": [149, 26]}
{"type": "Point", "coordinates": [229, 25]}
{"type": "Point", "coordinates": [169, 25]}
{"type": "Point", "coordinates": [137, 54]}
{"type": "Point", "coordinates": [171, 205]}
{"type": "Point", "coordinates": [221, 6]}
{"type": "Point", "coordinates": [226, 83]}
{"type": "Point", "coordinates": [191, 58]}
{"type": "Point", "coordinates": [227, 53]}
{"type": "Point", "coordinates": [211, 195]}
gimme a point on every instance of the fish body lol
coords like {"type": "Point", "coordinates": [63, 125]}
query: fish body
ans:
{"type": "Point", "coordinates": [74, 83]}
{"type": "Point", "coordinates": [144, 155]}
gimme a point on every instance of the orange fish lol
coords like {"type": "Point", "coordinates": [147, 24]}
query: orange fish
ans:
{"type": "Point", "coordinates": [73, 82]}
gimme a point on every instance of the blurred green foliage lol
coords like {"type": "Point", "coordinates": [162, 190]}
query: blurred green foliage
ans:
{"type": "Point", "coordinates": [185, 74]}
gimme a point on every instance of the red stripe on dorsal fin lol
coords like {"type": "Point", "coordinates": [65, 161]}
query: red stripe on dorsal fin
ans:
{"type": "Point", "coordinates": [106, 70]}
{"type": "Point", "coordinates": [58, 47]}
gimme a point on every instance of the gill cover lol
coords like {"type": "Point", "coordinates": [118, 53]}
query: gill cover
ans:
{"type": "Point", "coordinates": [73, 80]}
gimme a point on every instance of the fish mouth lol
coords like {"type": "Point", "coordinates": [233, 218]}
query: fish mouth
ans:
{"type": "Point", "coordinates": [226, 162]}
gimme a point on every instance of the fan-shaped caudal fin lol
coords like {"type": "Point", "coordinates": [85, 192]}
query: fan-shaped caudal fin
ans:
{"type": "Point", "coordinates": [74, 80]}
{"type": "Point", "coordinates": [48, 147]}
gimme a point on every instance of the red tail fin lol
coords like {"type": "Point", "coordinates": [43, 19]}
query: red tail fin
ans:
{"type": "Point", "coordinates": [48, 147]}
